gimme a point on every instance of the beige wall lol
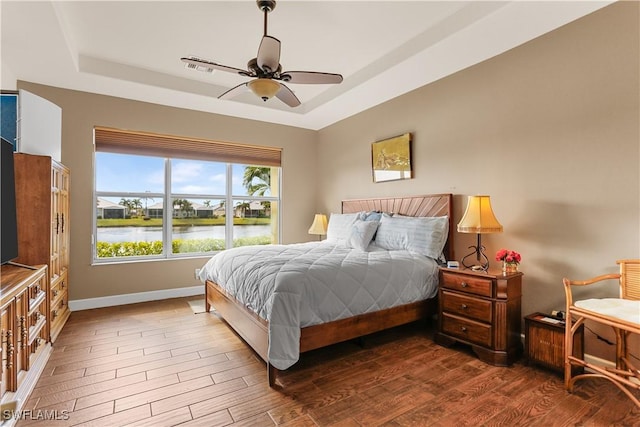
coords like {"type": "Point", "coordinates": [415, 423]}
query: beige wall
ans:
{"type": "Point", "coordinates": [550, 130]}
{"type": "Point", "coordinates": [82, 111]}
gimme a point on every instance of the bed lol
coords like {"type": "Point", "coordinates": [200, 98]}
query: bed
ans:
{"type": "Point", "coordinates": [291, 273]}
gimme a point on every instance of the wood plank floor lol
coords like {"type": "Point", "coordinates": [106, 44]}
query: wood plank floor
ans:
{"type": "Point", "coordinates": [159, 364]}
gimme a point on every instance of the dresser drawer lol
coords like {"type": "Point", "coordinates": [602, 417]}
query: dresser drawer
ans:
{"type": "Point", "coordinates": [462, 305]}
{"type": "Point", "coordinates": [59, 306]}
{"type": "Point", "coordinates": [37, 292]}
{"type": "Point", "coordinates": [58, 289]}
{"type": "Point", "coordinates": [466, 329]}
{"type": "Point", "coordinates": [468, 284]}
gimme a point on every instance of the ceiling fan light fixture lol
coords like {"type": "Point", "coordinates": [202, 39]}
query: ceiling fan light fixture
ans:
{"type": "Point", "coordinates": [264, 88]}
{"type": "Point", "coordinates": [266, 69]}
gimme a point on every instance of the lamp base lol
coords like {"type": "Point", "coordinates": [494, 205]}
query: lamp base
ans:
{"type": "Point", "coordinates": [482, 262]}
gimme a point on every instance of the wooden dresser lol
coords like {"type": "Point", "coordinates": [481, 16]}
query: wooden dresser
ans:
{"type": "Point", "coordinates": [481, 309]}
{"type": "Point", "coordinates": [24, 330]}
{"type": "Point", "coordinates": [42, 202]}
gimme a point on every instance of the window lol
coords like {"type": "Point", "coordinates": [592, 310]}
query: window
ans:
{"type": "Point", "coordinates": [212, 205]}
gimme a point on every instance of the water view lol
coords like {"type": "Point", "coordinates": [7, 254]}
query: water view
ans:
{"type": "Point", "coordinates": [151, 234]}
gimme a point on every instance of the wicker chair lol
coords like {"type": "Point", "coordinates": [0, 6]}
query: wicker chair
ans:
{"type": "Point", "coordinates": [622, 314]}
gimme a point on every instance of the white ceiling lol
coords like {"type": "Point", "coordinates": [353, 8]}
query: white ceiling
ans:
{"type": "Point", "coordinates": [382, 48]}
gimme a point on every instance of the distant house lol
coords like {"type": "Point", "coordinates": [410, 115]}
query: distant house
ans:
{"type": "Point", "coordinates": [203, 211]}
{"type": "Point", "coordinates": [249, 210]}
{"type": "Point", "coordinates": [198, 211]}
{"type": "Point", "coordinates": [155, 211]}
{"type": "Point", "coordinates": [110, 210]}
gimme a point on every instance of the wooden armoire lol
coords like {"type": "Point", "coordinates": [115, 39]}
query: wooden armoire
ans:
{"type": "Point", "coordinates": [42, 203]}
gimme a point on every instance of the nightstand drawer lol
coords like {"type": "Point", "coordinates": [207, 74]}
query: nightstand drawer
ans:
{"type": "Point", "coordinates": [466, 329]}
{"type": "Point", "coordinates": [468, 284]}
{"type": "Point", "coordinates": [474, 308]}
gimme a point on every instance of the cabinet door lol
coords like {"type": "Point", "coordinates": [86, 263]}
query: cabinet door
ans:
{"type": "Point", "coordinates": [56, 224]}
{"type": "Point", "coordinates": [59, 252]}
{"type": "Point", "coordinates": [63, 209]}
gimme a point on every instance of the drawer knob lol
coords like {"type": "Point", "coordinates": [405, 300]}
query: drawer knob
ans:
{"type": "Point", "coordinates": [463, 329]}
{"type": "Point", "coordinates": [464, 306]}
{"type": "Point", "coordinates": [464, 284]}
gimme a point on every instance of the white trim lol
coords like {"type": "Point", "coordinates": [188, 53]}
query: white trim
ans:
{"type": "Point", "coordinates": [607, 364]}
{"type": "Point", "coordinates": [598, 361]}
{"type": "Point", "coordinates": [113, 300]}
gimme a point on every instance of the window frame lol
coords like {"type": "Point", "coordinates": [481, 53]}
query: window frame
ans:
{"type": "Point", "coordinates": [167, 197]}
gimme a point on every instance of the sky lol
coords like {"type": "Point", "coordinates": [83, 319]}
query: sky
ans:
{"type": "Point", "coordinates": [128, 173]}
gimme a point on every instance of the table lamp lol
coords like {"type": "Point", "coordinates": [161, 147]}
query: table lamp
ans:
{"type": "Point", "coordinates": [319, 226]}
{"type": "Point", "coordinates": [478, 218]}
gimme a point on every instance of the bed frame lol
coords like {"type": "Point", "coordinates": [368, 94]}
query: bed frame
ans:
{"type": "Point", "coordinates": [254, 330]}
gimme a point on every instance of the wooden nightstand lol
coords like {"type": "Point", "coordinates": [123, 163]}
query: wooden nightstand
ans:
{"type": "Point", "coordinates": [544, 342]}
{"type": "Point", "coordinates": [481, 309]}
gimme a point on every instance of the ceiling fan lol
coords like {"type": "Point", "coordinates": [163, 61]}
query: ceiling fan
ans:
{"type": "Point", "coordinates": [265, 69]}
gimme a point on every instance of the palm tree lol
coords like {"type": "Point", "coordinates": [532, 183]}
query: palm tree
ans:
{"type": "Point", "coordinates": [183, 205]}
{"type": "Point", "coordinates": [257, 180]}
{"type": "Point", "coordinates": [242, 207]}
{"type": "Point", "coordinates": [128, 204]}
{"type": "Point", "coordinates": [137, 206]}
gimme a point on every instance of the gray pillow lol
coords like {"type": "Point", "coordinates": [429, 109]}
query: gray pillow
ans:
{"type": "Point", "coordinates": [424, 235]}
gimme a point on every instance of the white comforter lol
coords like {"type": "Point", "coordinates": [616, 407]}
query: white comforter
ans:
{"type": "Point", "coordinates": [298, 285]}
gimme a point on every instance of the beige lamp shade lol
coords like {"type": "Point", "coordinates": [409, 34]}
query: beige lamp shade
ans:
{"type": "Point", "coordinates": [319, 225]}
{"type": "Point", "coordinates": [264, 88]}
{"type": "Point", "coordinates": [479, 217]}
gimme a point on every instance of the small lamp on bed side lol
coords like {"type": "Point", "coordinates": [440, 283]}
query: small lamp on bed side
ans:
{"type": "Point", "coordinates": [319, 226]}
{"type": "Point", "coordinates": [478, 218]}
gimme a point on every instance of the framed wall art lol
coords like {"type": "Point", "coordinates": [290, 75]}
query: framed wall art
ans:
{"type": "Point", "coordinates": [391, 158]}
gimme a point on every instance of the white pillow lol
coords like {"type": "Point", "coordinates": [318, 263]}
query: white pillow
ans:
{"type": "Point", "coordinates": [424, 235]}
{"type": "Point", "coordinates": [339, 227]}
{"type": "Point", "coordinates": [361, 234]}
{"type": "Point", "coordinates": [370, 216]}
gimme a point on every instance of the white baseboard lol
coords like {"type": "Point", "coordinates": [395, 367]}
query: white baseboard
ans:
{"type": "Point", "coordinates": [110, 301]}
{"type": "Point", "coordinates": [598, 361]}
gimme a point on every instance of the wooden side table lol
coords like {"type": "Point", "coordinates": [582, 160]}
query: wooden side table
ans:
{"type": "Point", "coordinates": [544, 342]}
{"type": "Point", "coordinates": [481, 309]}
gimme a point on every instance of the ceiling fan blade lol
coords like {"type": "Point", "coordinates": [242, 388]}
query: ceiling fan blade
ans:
{"type": "Point", "coordinates": [286, 95]}
{"type": "Point", "coordinates": [310, 77]}
{"type": "Point", "coordinates": [269, 54]}
{"type": "Point", "coordinates": [204, 65]}
{"type": "Point", "coordinates": [236, 90]}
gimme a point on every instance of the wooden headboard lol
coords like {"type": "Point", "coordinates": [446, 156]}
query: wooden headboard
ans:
{"type": "Point", "coordinates": [427, 205]}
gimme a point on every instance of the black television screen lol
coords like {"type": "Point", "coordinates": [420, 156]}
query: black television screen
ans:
{"type": "Point", "coordinates": [9, 225]}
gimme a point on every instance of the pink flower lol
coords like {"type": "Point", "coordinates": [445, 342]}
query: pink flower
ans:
{"type": "Point", "coordinates": [508, 256]}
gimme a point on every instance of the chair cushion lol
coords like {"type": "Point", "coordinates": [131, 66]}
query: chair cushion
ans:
{"type": "Point", "coordinates": [623, 309]}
